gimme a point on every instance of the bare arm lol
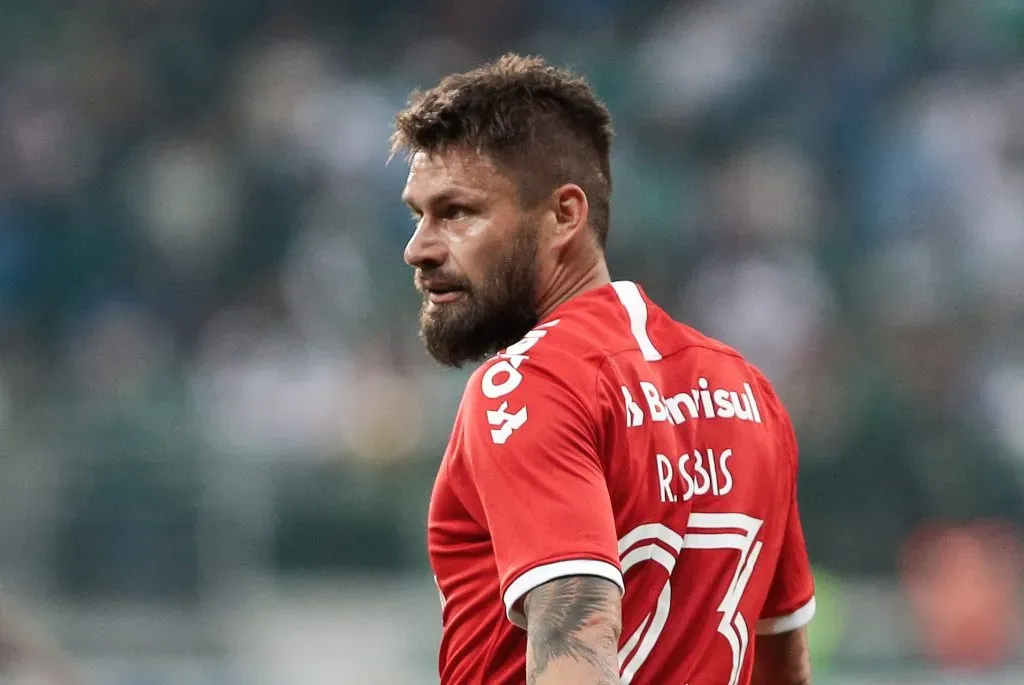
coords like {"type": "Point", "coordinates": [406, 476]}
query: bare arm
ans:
{"type": "Point", "coordinates": [782, 659]}
{"type": "Point", "coordinates": [573, 627]}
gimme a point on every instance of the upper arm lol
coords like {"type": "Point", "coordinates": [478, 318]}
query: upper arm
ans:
{"type": "Point", "coordinates": [577, 621]}
{"type": "Point", "coordinates": [790, 602]}
{"type": "Point", "coordinates": [538, 482]}
{"type": "Point", "coordinates": [782, 659]}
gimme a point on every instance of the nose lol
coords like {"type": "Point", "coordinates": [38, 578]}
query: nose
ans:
{"type": "Point", "coordinates": [425, 250]}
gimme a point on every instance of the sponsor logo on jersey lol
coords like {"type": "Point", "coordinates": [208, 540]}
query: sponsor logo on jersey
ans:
{"type": "Point", "coordinates": [503, 377]}
{"type": "Point", "coordinates": [702, 402]}
{"type": "Point", "coordinates": [505, 422]}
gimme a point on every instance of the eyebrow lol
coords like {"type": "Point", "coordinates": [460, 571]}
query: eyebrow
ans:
{"type": "Point", "coordinates": [443, 197]}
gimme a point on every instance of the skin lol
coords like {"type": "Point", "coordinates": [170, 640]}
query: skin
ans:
{"type": "Point", "coordinates": [573, 628]}
{"type": "Point", "coordinates": [465, 208]}
{"type": "Point", "coordinates": [467, 216]}
{"type": "Point", "coordinates": [782, 659]}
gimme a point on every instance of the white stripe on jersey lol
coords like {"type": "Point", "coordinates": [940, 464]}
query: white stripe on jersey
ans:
{"type": "Point", "coordinates": [539, 575]}
{"type": "Point", "coordinates": [789, 622]}
{"type": "Point", "coordinates": [636, 310]}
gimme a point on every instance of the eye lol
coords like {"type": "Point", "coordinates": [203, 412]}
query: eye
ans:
{"type": "Point", "coordinates": [454, 212]}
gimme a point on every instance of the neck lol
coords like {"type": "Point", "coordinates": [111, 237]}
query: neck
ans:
{"type": "Point", "coordinates": [566, 285]}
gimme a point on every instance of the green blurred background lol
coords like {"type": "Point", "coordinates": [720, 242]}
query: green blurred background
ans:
{"type": "Point", "coordinates": [218, 428]}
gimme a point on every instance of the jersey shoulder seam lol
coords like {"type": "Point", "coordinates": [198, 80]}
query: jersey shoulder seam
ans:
{"type": "Point", "coordinates": [680, 349]}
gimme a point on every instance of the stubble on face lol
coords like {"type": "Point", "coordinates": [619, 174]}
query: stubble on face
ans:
{"type": "Point", "coordinates": [490, 315]}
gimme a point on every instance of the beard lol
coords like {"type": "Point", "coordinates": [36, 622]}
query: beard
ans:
{"type": "Point", "coordinates": [490, 315]}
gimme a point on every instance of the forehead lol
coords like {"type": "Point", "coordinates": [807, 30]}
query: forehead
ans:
{"type": "Point", "coordinates": [454, 172]}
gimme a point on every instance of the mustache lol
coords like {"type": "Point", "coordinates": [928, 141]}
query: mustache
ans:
{"type": "Point", "coordinates": [438, 281]}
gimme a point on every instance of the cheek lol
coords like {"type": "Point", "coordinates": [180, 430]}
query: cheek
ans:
{"type": "Point", "coordinates": [476, 232]}
{"type": "Point", "coordinates": [475, 246]}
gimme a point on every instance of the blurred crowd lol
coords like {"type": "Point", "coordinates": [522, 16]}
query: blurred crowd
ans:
{"type": "Point", "coordinates": [208, 351]}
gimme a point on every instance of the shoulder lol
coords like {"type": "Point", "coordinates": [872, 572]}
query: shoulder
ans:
{"type": "Point", "coordinates": [693, 348]}
{"type": "Point", "coordinates": [717, 367]}
{"type": "Point", "coordinates": [553, 353]}
{"type": "Point", "coordinates": [548, 375]}
{"type": "Point", "coordinates": [722, 371]}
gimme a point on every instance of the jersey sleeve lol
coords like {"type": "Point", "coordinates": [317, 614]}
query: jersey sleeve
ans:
{"type": "Point", "coordinates": [531, 447]}
{"type": "Point", "coordinates": [790, 602]}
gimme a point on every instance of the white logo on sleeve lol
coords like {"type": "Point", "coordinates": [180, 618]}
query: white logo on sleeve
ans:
{"type": "Point", "coordinates": [506, 423]}
{"type": "Point", "coordinates": [503, 377]}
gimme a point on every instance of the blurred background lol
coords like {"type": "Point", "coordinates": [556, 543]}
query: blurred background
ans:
{"type": "Point", "coordinates": [218, 429]}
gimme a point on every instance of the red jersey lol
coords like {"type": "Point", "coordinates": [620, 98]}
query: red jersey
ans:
{"type": "Point", "coordinates": [613, 441]}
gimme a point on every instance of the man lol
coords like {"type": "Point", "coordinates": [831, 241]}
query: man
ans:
{"type": "Point", "coordinates": [617, 502]}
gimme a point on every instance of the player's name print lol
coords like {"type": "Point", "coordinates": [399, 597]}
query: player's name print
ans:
{"type": "Point", "coordinates": [700, 472]}
{"type": "Point", "coordinates": [702, 402]}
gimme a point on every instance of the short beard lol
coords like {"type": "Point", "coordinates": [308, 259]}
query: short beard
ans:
{"type": "Point", "coordinates": [492, 315]}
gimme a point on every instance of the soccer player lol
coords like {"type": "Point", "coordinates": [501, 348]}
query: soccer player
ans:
{"type": "Point", "coordinates": [617, 503]}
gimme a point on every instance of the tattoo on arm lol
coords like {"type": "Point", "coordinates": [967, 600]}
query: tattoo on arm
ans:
{"type": "Point", "coordinates": [577, 621]}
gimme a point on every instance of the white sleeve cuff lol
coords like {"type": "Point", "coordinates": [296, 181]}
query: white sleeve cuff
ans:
{"type": "Point", "coordinates": [539, 575]}
{"type": "Point", "coordinates": [789, 622]}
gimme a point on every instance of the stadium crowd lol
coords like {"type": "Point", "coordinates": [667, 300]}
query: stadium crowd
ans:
{"type": "Point", "coordinates": [205, 316]}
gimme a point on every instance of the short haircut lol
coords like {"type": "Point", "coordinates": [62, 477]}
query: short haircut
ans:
{"type": "Point", "coordinates": [542, 126]}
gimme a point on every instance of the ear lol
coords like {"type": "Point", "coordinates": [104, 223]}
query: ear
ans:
{"type": "Point", "coordinates": [571, 211]}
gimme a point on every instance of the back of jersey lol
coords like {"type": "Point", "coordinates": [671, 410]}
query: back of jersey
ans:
{"type": "Point", "coordinates": [701, 464]}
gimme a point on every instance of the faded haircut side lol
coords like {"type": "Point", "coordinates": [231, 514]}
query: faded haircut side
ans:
{"type": "Point", "coordinates": [542, 126]}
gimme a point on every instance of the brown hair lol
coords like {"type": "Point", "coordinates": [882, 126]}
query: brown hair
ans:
{"type": "Point", "coordinates": [543, 126]}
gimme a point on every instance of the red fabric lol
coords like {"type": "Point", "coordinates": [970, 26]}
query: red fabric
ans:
{"type": "Point", "coordinates": [571, 448]}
